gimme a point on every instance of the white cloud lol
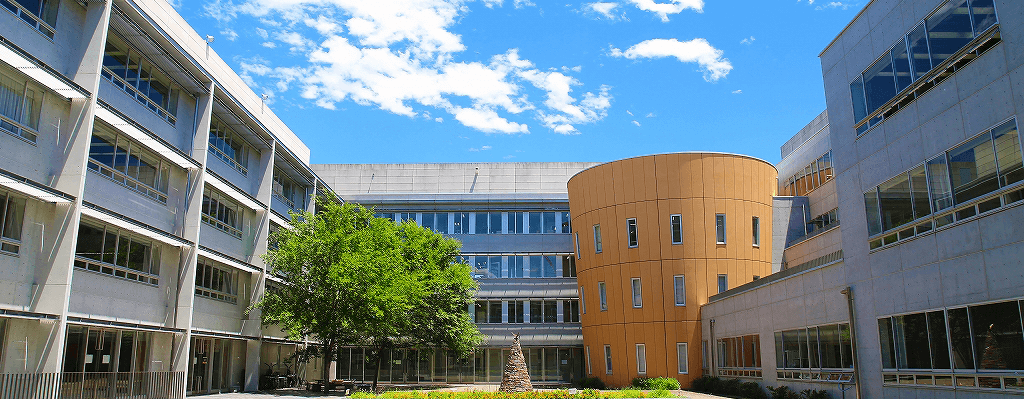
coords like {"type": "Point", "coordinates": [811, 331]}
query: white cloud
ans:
{"type": "Point", "coordinates": [229, 34]}
{"type": "Point", "coordinates": [749, 40]}
{"type": "Point", "coordinates": [400, 56]}
{"type": "Point", "coordinates": [508, 157]}
{"type": "Point", "coordinates": [697, 50]}
{"type": "Point", "coordinates": [629, 112]}
{"type": "Point", "coordinates": [269, 44]}
{"type": "Point", "coordinates": [650, 115]}
{"type": "Point", "coordinates": [737, 91]}
{"type": "Point", "coordinates": [636, 123]}
{"type": "Point", "coordinates": [439, 119]}
{"type": "Point", "coordinates": [482, 148]}
{"type": "Point", "coordinates": [603, 8]}
{"type": "Point", "coordinates": [672, 7]}
{"type": "Point", "coordinates": [833, 4]}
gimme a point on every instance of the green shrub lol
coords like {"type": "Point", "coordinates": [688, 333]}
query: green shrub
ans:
{"type": "Point", "coordinates": [362, 395]}
{"type": "Point", "coordinates": [705, 384]}
{"type": "Point", "coordinates": [661, 393]}
{"type": "Point", "coordinates": [656, 383]}
{"type": "Point", "coordinates": [629, 393]}
{"type": "Point", "coordinates": [783, 392]}
{"type": "Point", "coordinates": [815, 394]}
{"type": "Point", "coordinates": [751, 390]}
{"type": "Point", "coordinates": [591, 383]}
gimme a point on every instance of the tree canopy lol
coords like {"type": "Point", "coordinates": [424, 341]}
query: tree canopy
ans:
{"type": "Point", "coordinates": [353, 279]}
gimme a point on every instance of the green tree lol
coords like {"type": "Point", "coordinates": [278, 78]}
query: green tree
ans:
{"type": "Point", "coordinates": [353, 279]}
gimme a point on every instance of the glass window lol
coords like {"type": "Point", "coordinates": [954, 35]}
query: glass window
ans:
{"type": "Point", "coordinates": [216, 282]}
{"type": "Point", "coordinates": [516, 224]}
{"type": "Point", "coordinates": [12, 217]}
{"type": "Point", "coordinates": [571, 311]}
{"type": "Point", "coordinates": [495, 223]}
{"type": "Point", "coordinates": [679, 288]}
{"type": "Point", "coordinates": [583, 300]}
{"type": "Point", "coordinates": [720, 228]}
{"type": "Point", "coordinates": [860, 108]}
{"type": "Point", "coordinates": [938, 183]}
{"type": "Point", "coordinates": [682, 358]}
{"type": "Point", "coordinates": [998, 339]}
{"type": "Point", "coordinates": [607, 359]}
{"type": "Point", "coordinates": [911, 335]}
{"type": "Point", "coordinates": [831, 347]}
{"type": "Point", "coordinates": [919, 192]}
{"type": "Point", "coordinates": [494, 267]}
{"type": "Point", "coordinates": [550, 265]}
{"type": "Point", "coordinates": [114, 252]}
{"type": "Point", "coordinates": [20, 103]}
{"type": "Point", "coordinates": [756, 225]}
{"type": "Point", "coordinates": [222, 213]}
{"type": "Point", "coordinates": [481, 223]}
{"type": "Point", "coordinates": [516, 311]}
{"type": "Point", "coordinates": [602, 295]}
{"type": "Point", "coordinates": [631, 232]}
{"type": "Point", "coordinates": [516, 266]}
{"type": "Point", "coordinates": [535, 225]}
{"type": "Point", "coordinates": [949, 30]}
{"type": "Point", "coordinates": [550, 311]}
{"type": "Point", "coordinates": [228, 146]}
{"type": "Point", "coordinates": [676, 225]}
{"type": "Point", "coordinates": [938, 342]}
{"type": "Point", "coordinates": [549, 223]}
{"type": "Point", "coordinates": [565, 223]}
{"type": "Point", "coordinates": [576, 238]}
{"type": "Point", "coordinates": [494, 312]}
{"type": "Point", "coordinates": [441, 222]}
{"type": "Point", "coordinates": [879, 83]}
{"type": "Point", "coordinates": [461, 223]}
{"type": "Point", "coordinates": [918, 44]}
{"type": "Point", "coordinates": [972, 167]}
{"type": "Point", "coordinates": [536, 267]}
{"type": "Point", "coordinates": [637, 298]}
{"type": "Point", "coordinates": [1008, 153]}
{"type": "Point", "coordinates": [41, 14]}
{"type": "Point", "coordinates": [568, 266]}
{"type": "Point", "coordinates": [960, 338]}
{"type": "Point", "coordinates": [901, 66]}
{"type": "Point", "coordinates": [895, 202]}
{"type": "Point", "coordinates": [127, 69]}
{"type": "Point", "coordinates": [597, 238]}
{"type": "Point", "coordinates": [723, 283]}
{"type": "Point", "coordinates": [887, 343]}
{"type": "Point", "coordinates": [287, 191]}
{"type": "Point", "coordinates": [641, 358]}
{"type": "Point", "coordinates": [983, 13]}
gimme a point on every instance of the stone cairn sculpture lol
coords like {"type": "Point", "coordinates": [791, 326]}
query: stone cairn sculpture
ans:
{"type": "Point", "coordinates": [516, 378]}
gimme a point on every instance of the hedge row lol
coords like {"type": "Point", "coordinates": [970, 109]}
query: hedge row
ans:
{"type": "Point", "coordinates": [751, 390]}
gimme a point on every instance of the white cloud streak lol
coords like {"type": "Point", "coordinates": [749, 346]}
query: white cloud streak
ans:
{"type": "Point", "coordinates": [699, 51]}
{"type": "Point", "coordinates": [672, 7]}
{"type": "Point", "coordinates": [603, 8]}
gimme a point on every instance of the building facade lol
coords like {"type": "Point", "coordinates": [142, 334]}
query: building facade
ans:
{"type": "Point", "coordinates": [513, 222]}
{"type": "Point", "coordinates": [139, 180]}
{"type": "Point", "coordinates": [924, 297]}
{"type": "Point", "coordinates": [655, 236]}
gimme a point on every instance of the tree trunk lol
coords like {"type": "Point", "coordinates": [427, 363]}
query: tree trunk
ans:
{"type": "Point", "coordinates": [324, 372]}
{"type": "Point", "coordinates": [376, 374]}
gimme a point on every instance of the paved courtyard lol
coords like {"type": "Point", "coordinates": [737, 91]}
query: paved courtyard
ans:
{"type": "Point", "coordinates": [304, 394]}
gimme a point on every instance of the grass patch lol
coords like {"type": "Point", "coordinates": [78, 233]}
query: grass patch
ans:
{"type": "Point", "coordinates": [555, 394]}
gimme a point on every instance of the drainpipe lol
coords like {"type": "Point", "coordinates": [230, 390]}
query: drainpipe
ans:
{"type": "Point", "coordinates": [713, 350]}
{"type": "Point", "coordinates": [853, 337]}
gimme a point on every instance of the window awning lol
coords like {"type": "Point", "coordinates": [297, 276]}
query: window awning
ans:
{"type": "Point", "coordinates": [33, 189]}
{"type": "Point", "coordinates": [230, 190]}
{"type": "Point", "coordinates": [44, 76]}
{"type": "Point", "coordinates": [280, 221]}
{"type": "Point", "coordinates": [145, 138]}
{"type": "Point", "coordinates": [106, 217]}
{"type": "Point", "coordinates": [227, 261]}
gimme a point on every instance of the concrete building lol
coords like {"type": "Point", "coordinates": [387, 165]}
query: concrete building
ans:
{"type": "Point", "coordinates": [139, 180]}
{"type": "Point", "coordinates": [513, 222]}
{"type": "Point", "coordinates": [924, 297]}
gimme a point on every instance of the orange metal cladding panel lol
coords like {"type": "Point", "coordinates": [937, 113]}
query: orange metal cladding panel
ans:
{"type": "Point", "coordinates": [695, 186]}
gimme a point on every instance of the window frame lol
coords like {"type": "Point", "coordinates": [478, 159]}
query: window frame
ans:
{"type": "Point", "coordinates": [720, 229]}
{"type": "Point", "coordinates": [608, 360]}
{"type": "Point", "coordinates": [215, 221]}
{"type": "Point", "coordinates": [632, 239]}
{"type": "Point", "coordinates": [675, 223]}
{"type": "Point", "coordinates": [679, 284]}
{"type": "Point", "coordinates": [641, 354]}
{"type": "Point", "coordinates": [225, 135]}
{"type": "Point", "coordinates": [43, 27]}
{"type": "Point", "coordinates": [682, 362]}
{"type": "Point", "coordinates": [7, 198]}
{"type": "Point", "coordinates": [27, 128]}
{"type": "Point", "coordinates": [755, 224]}
{"type": "Point", "coordinates": [597, 239]}
{"type": "Point", "coordinates": [207, 271]}
{"type": "Point", "coordinates": [723, 278]}
{"type": "Point", "coordinates": [149, 276]}
{"type": "Point", "coordinates": [602, 293]}
{"type": "Point", "coordinates": [157, 192]}
{"type": "Point", "coordinates": [174, 92]}
{"type": "Point", "coordinates": [636, 288]}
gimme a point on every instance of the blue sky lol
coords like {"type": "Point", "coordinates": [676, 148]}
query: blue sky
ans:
{"type": "Point", "coordinates": [398, 81]}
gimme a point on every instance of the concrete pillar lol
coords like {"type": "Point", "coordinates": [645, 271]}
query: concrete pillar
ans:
{"type": "Point", "coordinates": [526, 311]}
{"type": "Point", "coordinates": [561, 311]}
{"type": "Point", "coordinates": [192, 220]}
{"type": "Point", "coordinates": [55, 267]}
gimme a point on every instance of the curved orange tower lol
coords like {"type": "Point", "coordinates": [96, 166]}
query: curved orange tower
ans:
{"type": "Point", "coordinates": [662, 253]}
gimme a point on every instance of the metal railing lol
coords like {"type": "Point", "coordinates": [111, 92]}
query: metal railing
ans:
{"type": "Point", "coordinates": [148, 385]}
{"type": "Point", "coordinates": [29, 386]}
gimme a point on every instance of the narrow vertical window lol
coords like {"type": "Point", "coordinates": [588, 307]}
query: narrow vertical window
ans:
{"type": "Point", "coordinates": [676, 225]}
{"type": "Point", "coordinates": [637, 299]}
{"type": "Point", "coordinates": [704, 354]}
{"type": "Point", "coordinates": [682, 362]}
{"type": "Point", "coordinates": [720, 228]}
{"type": "Point", "coordinates": [608, 359]}
{"type": "Point", "coordinates": [577, 237]}
{"type": "Point", "coordinates": [756, 226]}
{"type": "Point", "coordinates": [631, 232]}
{"type": "Point", "coordinates": [597, 238]}
{"type": "Point", "coordinates": [723, 283]}
{"type": "Point", "coordinates": [641, 359]}
{"type": "Point", "coordinates": [589, 369]}
{"type": "Point", "coordinates": [603, 295]}
{"type": "Point", "coordinates": [679, 285]}
{"type": "Point", "coordinates": [583, 300]}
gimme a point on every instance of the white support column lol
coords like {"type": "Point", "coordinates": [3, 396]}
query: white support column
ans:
{"type": "Point", "coordinates": [526, 311]}
{"type": "Point", "coordinates": [55, 268]}
{"type": "Point", "coordinates": [253, 324]}
{"type": "Point", "coordinates": [559, 308]}
{"type": "Point", "coordinates": [185, 300]}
